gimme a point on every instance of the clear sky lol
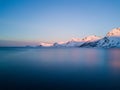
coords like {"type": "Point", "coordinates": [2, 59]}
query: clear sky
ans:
{"type": "Point", "coordinates": [56, 20]}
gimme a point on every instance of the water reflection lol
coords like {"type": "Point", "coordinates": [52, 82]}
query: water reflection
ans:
{"type": "Point", "coordinates": [114, 61]}
{"type": "Point", "coordinates": [62, 68]}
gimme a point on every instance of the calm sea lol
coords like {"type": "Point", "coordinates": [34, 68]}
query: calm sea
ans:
{"type": "Point", "coordinates": [59, 69]}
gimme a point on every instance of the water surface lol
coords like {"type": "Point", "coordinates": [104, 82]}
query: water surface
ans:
{"type": "Point", "coordinates": [59, 69]}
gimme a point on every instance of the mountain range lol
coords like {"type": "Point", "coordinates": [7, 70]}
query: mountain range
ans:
{"type": "Point", "coordinates": [111, 40]}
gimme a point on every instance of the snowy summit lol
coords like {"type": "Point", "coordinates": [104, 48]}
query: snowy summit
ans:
{"type": "Point", "coordinates": [115, 33]}
{"type": "Point", "coordinates": [111, 40]}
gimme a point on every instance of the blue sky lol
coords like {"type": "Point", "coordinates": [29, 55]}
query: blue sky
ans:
{"type": "Point", "coordinates": [56, 20]}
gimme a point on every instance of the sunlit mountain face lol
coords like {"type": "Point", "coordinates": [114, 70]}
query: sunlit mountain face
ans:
{"type": "Point", "coordinates": [114, 33]}
{"type": "Point", "coordinates": [111, 40]}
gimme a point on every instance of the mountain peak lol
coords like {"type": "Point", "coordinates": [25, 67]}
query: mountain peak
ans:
{"type": "Point", "coordinates": [91, 38]}
{"type": "Point", "coordinates": [115, 32]}
{"type": "Point", "coordinates": [111, 40]}
{"type": "Point", "coordinates": [76, 39]}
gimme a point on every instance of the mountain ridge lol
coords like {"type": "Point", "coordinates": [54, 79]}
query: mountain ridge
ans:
{"type": "Point", "coordinates": [110, 40]}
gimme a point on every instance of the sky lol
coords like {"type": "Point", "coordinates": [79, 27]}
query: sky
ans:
{"type": "Point", "coordinates": [34, 21]}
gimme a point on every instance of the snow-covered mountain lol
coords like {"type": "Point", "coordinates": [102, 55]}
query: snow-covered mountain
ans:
{"type": "Point", "coordinates": [114, 33]}
{"type": "Point", "coordinates": [76, 42]}
{"type": "Point", "coordinates": [111, 40]}
{"type": "Point", "coordinates": [91, 38]}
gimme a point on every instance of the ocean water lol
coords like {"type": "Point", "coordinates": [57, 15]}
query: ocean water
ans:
{"type": "Point", "coordinates": [59, 69]}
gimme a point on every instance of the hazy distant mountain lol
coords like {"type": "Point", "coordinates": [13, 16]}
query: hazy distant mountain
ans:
{"type": "Point", "coordinates": [10, 43]}
{"type": "Point", "coordinates": [45, 44]}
